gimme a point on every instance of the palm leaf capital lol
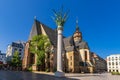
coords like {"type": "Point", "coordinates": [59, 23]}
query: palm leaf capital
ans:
{"type": "Point", "coordinates": [60, 17]}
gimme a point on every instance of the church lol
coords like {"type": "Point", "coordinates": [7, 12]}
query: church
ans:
{"type": "Point", "coordinates": [76, 54]}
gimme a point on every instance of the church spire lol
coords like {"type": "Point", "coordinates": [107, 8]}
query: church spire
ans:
{"type": "Point", "coordinates": [77, 27]}
{"type": "Point", "coordinates": [77, 35]}
{"type": "Point", "coordinates": [35, 18]}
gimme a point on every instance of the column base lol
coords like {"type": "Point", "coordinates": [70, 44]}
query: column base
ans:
{"type": "Point", "coordinates": [59, 74]}
{"type": "Point", "coordinates": [34, 68]}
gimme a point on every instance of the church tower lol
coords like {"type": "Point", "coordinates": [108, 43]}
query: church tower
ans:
{"type": "Point", "coordinates": [77, 35]}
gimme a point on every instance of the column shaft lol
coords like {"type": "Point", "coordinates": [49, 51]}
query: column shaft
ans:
{"type": "Point", "coordinates": [59, 51]}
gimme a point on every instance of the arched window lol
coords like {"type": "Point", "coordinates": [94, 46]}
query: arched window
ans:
{"type": "Point", "coordinates": [112, 63]}
{"type": "Point", "coordinates": [109, 70]}
{"type": "Point", "coordinates": [85, 55]}
{"type": "Point", "coordinates": [109, 63]}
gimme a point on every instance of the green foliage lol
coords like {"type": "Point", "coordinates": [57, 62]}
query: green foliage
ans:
{"type": "Point", "coordinates": [115, 73]}
{"type": "Point", "coordinates": [47, 70]}
{"type": "Point", "coordinates": [16, 62]}
{"type": "Point", "coordinates": [60, 17]}
{"type": "Point", "coordinates": [39, 45]}
{"type": "Point", "coordinates": [30, 68]}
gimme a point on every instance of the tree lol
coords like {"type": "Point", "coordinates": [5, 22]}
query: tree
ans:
{"type": "Point", "coordinates": [39, 45]}
{"type": "Point", "coordinates": [16, 61]}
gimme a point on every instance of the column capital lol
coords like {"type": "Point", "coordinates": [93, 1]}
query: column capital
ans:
{"type": "Point", "coordinates": [60, 28]}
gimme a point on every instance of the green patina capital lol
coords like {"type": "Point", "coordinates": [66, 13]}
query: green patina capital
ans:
{"type": "Point", "coordinates": [60, 18]}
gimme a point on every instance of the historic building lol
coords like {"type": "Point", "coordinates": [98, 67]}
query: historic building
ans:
{"type": "Point", "coordinates": [99, 63]}
{"type": "Point", "coordinates": [113, 63]}
{"type": "Point", "coordinates": [29, 58]}
{"type": "Point", "coordinates": [77, 56]}
{"type": "Point", "coordinates": [15, 46]}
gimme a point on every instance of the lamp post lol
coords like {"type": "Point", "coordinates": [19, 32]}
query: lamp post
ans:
{"type": "Point", "coordinates": [60, 19]}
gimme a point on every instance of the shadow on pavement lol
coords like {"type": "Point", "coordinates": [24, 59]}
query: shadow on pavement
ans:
{"type": "Point", "coordinates": [19, 75]}
{"type": "Point", "coordinates": [39, 76]}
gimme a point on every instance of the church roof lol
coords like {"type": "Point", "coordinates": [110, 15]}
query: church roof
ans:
{"type": "Point", "coordinates": [70, 48]}
{"type": "Point", "coordinates": [68, 41]}
{"type": "Point", "coordinates": [82, 45]}
{"type": "Point", "coordinates": [71, 45]}
{"type": "Point", "coordinates": [52, 34]}
{"type": "Point", "coordinates": [36, 30]}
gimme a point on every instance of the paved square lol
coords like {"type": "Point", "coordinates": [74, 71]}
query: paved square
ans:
{"type": "Point", "coordinates": [19, 75]}
{"type": "Point", "coordinates": [103, 76]}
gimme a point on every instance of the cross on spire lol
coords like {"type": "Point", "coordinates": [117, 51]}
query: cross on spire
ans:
{"type": "Point", "coordinates": [35, 17]}
{"type": "Point", "coordinates": [77, 27]}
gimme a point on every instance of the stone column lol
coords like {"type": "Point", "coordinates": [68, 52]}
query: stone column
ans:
{"type": "Point", "coordinates": [59, 72]}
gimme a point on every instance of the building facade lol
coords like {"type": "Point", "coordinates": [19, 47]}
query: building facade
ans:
{"type": "Point", "coordinates": [2, 58]}
{"type": "Point", "coordinates": [113, 63]}
{"type": "Point", "coordinates": [78, 58]}
{"type": "Point", "coordinates": [76, 53]}
{"type": "Point", "coordinates": [15, 46]}
{"type": "Point", "coordinates": [99, 63]}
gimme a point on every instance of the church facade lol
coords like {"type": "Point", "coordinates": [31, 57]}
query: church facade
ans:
{"type": "Point", "coordinates": [77, 57]}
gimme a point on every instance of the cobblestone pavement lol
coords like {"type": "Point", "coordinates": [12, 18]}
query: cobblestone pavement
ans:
{"type": "Point", "coordinates": [17, 75]}
{"type": "Point", "coordinates": [103, 76]}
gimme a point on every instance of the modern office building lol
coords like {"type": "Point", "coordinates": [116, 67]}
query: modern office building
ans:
{"type": "Point", "coordinates": [113, 63]}
{"type": "Point", "coordinates": [15, 46]}
{"type": "Point", "coordinates": [2, 58]}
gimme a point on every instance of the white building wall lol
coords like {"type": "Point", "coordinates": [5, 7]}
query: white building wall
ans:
{"type": "Point", "coordinates": [11, 49]}
{"type": "Point", "coordinates": [3, 58]}
{"type": "Point", "coordinates": [113, 63]}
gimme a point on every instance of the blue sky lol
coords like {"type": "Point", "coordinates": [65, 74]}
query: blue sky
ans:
{"type": "Point", "coordinates": [99, 21]}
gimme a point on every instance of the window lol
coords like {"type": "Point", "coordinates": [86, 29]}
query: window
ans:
{"type": "Point", "coordinates": [19, 53]}
{"type": "Point", "coordinates": [112, 58]}
{"type": "Point", "coordinates": [70, 63]}
{"type": "Point", "coordinates": [112, 63]}
{"type": "Point", "coordinates": [20, 49]}
{"type": "Point", "coordinates": [15, 49]}
{"type": "Point", "coordinates": [85, 55]}
{"type": "Point", "coordinates": [116, 70]}
{"type": "Point", "coordinates": [109, 63]}
{"type": "Point", "coordinates": [116, 63]}
{"type": "Point", "coordinates": [32, 58]}
{"type": "Point", "coordinates": [109, 70]}
{"type": "Point", "coordinates": [70, 57]}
